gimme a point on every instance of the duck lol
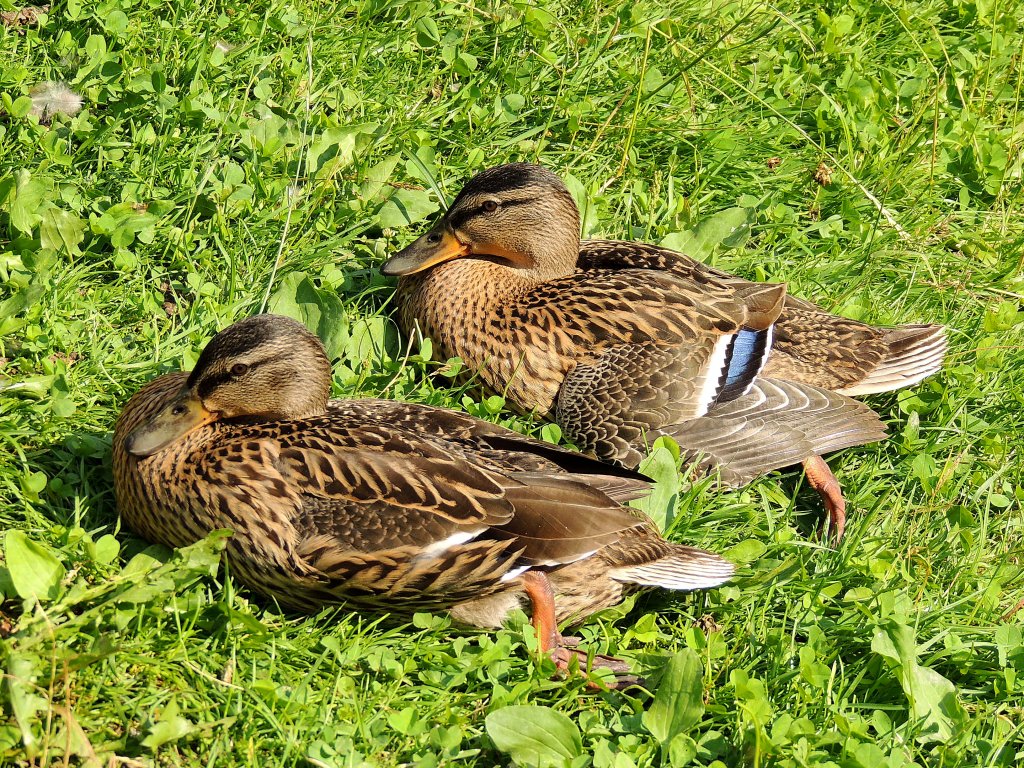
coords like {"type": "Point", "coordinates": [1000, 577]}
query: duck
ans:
{"type": "Point", "coordinates": [383, 505]}
{"type": "Point", "coordinates": [623, 342]}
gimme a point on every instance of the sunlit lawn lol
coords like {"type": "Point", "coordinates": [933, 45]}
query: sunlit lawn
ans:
{"type": "Point", "coordinates": [235, 157]}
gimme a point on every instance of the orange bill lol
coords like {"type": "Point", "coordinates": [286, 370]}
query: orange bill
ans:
{"type": "Point", "coordinates": [437, 246]}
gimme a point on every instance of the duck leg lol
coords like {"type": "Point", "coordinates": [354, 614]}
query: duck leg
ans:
{"type": "Point", "coordinates": [542, 613]}
{"type": "Point", "coordinates": [821, 479]}
{"type": "Point", "coordinates": [562, 649]}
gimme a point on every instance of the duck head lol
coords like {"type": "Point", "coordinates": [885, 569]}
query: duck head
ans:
{"type": "Point", "coordinates": [266, 367]}
{"type": "Point", "coordinates": [519, 215]}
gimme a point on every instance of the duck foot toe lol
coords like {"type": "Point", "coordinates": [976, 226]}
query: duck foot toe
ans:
{"type": "Point", "coordinates": [567, 650]}
{"type": "Point", "coordinates": [820, 477]}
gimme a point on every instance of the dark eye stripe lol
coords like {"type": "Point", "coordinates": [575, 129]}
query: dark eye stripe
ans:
{"type": "Point", "coordinates": [461, 217]}
{"type": "Point", "coordinates": [210, 383]}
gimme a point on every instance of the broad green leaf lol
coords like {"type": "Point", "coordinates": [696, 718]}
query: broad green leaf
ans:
{"type": "Point", "coordinates": [508, 107]}
{"type": "Point", "coordinates": [534, 736]}
{"type": "Point", "coordinates": [21, 696]}
{"type": "Point", "coordinates": [269, 134]}
{"type": "Point", "coordinates": [61, 230]}
{"type": "Point", "coordinates": [661, 466]}
{"type": "Point", "coordinates": [539, 21]}
{"type": "Point", "coordinates": [170, 726]}
{"type": "Point", "coordinates": [1009, 639]}
{"type": "Point", "coordinates": [203, 557]}
{"type": "Point", "coordinates": [319, 310]}
{"type": "Point", "coordinates": [34, 569]}
{"type": "Point", "coordinates": [62, 406]}
{"type": "Point", "coordinates": [123, 222]}
{"type": "Point", "coordinates": [336, 148]}
{"type": "Point", "coordinates": [6, 585]}
{"type": "Point", "coordinates": [369, 339]}
{"type": "Point", "coordinates": [22, 106]}
{"type": "Point", "coordinates": [377, 176]}
{"type": "Point", "coordinates": [752, 694]}
{"type": "Point", "coordinates": [36, 386]}
{"type": "Point", "coordinates": [465, 63]}
{"type": "Point", "coordinates": [590, 219]}
{"type": "Point", "coordinates": [7, 186]}
{"type": "Point", "coordinates": [427, 34]}
{"type": "Point", "coordinates": [96, 48]}
{"type": "Point", "coordinates": [812, 670]}
{"type": "Point", "coordinates": [493, 404]}
{"type": "Point", "coordinates": [1002, 317]}
{"type": "Point", "coordinates": [746, 551]}
{"type": "Point", "coordinates": [33, 483]}
{"type": "Point", "coordinates": [551, 433]}
{"type": "Point", "coordinates": [934, 707]}
{"type": "Point", "coordinates": [22, 303]}
{"type": "Point", "coordinates": [31, 198]}
{"type": "Point", "coordinates": [727, 229]}
{"type": "Point", "coordinates": [422, 164]}
{"type": "Point", "coordinates": [143, 562]}
{"type": "Point", "coordinates": [184, 568]}
{"type": "Point", "coordinates": [405, 721]}
{"type": "Point", "coordinates": [405, 207]}
{"type": "Point", "coordinates": [681, 750]}
{"type": "Point", "coordinates": [679, 701]}
{"type": "Point", "coordinates": [653, 79]}
{"type": "Point", "coordinates": [105, 549]}
{"type": "Point", "coordinates": [115, 22]}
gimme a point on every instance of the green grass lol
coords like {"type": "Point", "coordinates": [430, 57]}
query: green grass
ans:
{"type": "Point", "coordinates": [235, 155]}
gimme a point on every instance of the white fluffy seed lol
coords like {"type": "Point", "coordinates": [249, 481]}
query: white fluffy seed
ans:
{"type": "Point", "coordinates": [52, 98]}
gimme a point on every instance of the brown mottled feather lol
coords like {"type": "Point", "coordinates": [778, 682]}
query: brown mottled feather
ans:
{"type": "Point", "coordinates": [811, 346]}
{"type": "Point", "coordinates": [392, 506]}
{"type": "Point", "coordinates": [622, 342]}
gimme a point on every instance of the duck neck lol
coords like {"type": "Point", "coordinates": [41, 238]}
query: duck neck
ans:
{"type": "Point", "coordinates": [552, 258]}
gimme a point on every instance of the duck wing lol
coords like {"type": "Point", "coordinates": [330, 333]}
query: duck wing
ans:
{"type": "Point", "coordinates": [837, 353]}
{"type": "Point", "coordinates": [650, 350]}
{"type": "Point", "coordinates": [494, 446]}
{"type": "Point", "coordinates": [776, 424]}
{"type": "Point", "coordinates": [561, 518]}
{"type": "Point", "coordinates": [397, 513]}
{"type": "Point", "coordinates": [810, 346]}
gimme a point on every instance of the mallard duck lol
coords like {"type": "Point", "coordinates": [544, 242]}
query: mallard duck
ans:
{"type": "Point", "coordinates": [622, 342]}
{"type": "Point", "coordinates": [387, 505]}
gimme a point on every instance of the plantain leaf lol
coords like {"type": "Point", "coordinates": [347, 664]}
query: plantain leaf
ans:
{"type": "Point", "coordinates": [534, 736]}
{"type": "Point", "coordinates": [319, 310]}
{"type": "Point", "coordinates": [679, 702]}
{"type": "Point", "coordinates": [726, 229]}
{"type": "Point", "coordinates": [33, 568]}
{"type": "Point", "coordinates": [932, 698]}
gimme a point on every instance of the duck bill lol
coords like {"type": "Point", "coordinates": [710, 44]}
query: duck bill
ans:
{"type": "Point", "coordinates": [436, 247]}
{"type": "Point", "coordinates": [179, 417]}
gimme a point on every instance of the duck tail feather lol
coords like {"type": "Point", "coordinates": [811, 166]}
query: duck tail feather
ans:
{"type": "Point", "coordinates": [915, 352]}
{"type": "Point", "coordinates": [682, 567]}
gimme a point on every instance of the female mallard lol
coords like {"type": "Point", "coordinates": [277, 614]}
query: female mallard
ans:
{"type": "Point", "coordinates": [623, 342]}
{"type": "Point", "coordinates": [394, 506]}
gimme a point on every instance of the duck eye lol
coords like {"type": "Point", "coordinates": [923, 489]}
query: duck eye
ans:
{"type": "Point", "coordinates": [239, 369]}
{"type": "Point", "coordinates": [489, 206]}
{"type": "Point", "coordinates": [178, 410]}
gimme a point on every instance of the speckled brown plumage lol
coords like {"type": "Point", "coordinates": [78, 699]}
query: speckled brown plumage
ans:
{"type": "Point", "coordinates": [387, 505]}
{"type": "Point", "coordinates": [623, 342]}
{"type": "Point", "coordinates": [810, 346]}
